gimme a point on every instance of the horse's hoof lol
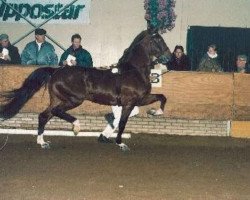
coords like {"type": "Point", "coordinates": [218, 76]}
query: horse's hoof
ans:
{"type": "Point", "coordinates": [124, 147]}
{"type": "Point", "coordinates": [45, 145]}
{"type": "Point", "coordinates": [104, 139]}
{"type": "Point", "coordinates": [154, 112]}
{"type": "Point", "coordinates": [76, 129]}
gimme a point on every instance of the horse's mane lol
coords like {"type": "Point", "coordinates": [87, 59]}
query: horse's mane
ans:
{"type": "Point", "coordinates": [137, 39]}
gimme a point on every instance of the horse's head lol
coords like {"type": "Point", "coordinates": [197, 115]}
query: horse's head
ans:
{"type": "Point", "coordinates": [158, 47]}
{"type": "Point", "coordinates": [145, 46]}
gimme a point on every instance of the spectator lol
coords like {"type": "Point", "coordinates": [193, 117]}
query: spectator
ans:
{"type": "Point", "coordinates": [241, 64]}
{"type": "Point", "coordinates": [9, 53]}
{"type": "Point", "coordinates": [209, 61]}
{"type": "Point", "coordinates": [39, 52]}
{"type": "Point", "coordinates": [75, 55]}
{"type": "Point", "coordinates": [179, 61]}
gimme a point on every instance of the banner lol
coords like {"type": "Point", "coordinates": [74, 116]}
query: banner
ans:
{"type": "Point", "coordinates": [37, 11]}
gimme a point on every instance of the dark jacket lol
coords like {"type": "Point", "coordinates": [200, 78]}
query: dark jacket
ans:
{"type": "Point", "coordinates": [13, 53]}
{"type": "Point", "coordinates": [181, 64]}
{"type": "Point", "coordinates": [208, 64]}
{"type": "Point", "coordinates": [45, 56]}
{"type": "Point", "coordinates": [83, 57]}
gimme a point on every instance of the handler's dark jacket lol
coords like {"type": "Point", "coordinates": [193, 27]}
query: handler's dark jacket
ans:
{"type": "Point", "coordinates": [13, 53]}
{"type": "Point", "coordinates": [179, 64]}
{"type": "Point", "coordinates": [83, 57]}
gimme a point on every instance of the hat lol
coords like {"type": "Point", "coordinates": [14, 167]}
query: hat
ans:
{"type": "Point", "coordinates": [4, 37]}
{"type": "Point", "coordinates": [242, 57]}
{"type": "Point", "coordinates": [40, 31]}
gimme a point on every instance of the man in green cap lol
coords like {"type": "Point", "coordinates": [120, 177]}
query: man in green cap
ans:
{"type": "Point", "coordinates": [8, 53]}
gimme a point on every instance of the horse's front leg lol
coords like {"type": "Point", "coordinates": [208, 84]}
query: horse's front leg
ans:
{"type": "Point", "coordinates": [152, 98]}
{"type": "Point", "coordinates": [126, 110]}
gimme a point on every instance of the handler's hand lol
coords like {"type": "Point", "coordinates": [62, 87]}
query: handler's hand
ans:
{"type": "Point", "coordinates": [7, 57]}
{"type": "Point", "coordinates": [64, 63]}
{"type": "Point", "coordinates": [73, 62]}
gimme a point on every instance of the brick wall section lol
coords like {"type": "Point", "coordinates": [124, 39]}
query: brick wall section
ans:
{"type": "Point", "coordinates": [151, 125]}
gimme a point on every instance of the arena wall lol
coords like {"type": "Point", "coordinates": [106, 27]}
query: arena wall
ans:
{"type": "Point", "coordinates": [198, 104]}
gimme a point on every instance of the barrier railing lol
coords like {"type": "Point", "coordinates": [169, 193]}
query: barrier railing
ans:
{"type": "Point", "coordinates": [191, 95]}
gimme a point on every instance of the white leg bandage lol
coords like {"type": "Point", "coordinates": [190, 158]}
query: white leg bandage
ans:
{"type": "Point", "coordinates": [117, 111]}
{"type": "Point", "coordinates": [76, 127]}
{"type": "Point", "coordinates": [40, 139]}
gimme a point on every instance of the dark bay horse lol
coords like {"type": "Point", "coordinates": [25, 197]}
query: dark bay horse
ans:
{"type": "Point", "coordinates": [70, 86]}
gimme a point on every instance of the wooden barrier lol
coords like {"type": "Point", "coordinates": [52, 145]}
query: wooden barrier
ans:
{"type": "Point", "coordinates": [191, 95]}
{"type": "Point", "coordinates": [241, 97]}
{"type": "Point", "coordinates": [240, 129]}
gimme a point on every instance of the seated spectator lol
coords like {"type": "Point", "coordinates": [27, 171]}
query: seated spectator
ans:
{"type": "Point", "coordinates": [209, 62]}
{"type": "Point", "coordinates": [75, 55]}
{"type": "Point", "coordinates": [39, 52]}
{"type": "Point", "coordinates": [8, 53]}
{"type": "Point", "coordinates": [241, 64]}
{"type": "Point", "coordinates": [179, 61]}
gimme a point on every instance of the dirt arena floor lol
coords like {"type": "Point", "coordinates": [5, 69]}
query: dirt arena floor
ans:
{"type": "Point", "coordinates": [156, 168]}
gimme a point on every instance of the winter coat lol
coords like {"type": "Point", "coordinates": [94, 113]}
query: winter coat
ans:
{"type": "Point", "coordinates": [179, 64]}
{"type": "Point", "coordinates": [45, 56]}
{"type": "Point", "coordinates": [209, 64]}
{"type": "Point", "coordinates": [13, 53]}
{"type": "Point", "coordinates": [83, 57]}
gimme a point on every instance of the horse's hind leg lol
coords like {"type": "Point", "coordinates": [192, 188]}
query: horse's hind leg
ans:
{"type": "Point", "coordinates": [60, 111]}
{"type": "Point", "coordinates": [54, 110]}
{"type": "Point", "coordinates": [43, 118]}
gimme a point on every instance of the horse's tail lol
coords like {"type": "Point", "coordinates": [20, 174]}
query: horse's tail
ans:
{"type": "Point", "coordinates": [17, 98]}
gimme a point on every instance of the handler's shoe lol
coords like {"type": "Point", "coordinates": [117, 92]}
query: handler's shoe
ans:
{"type": "Point", "coordinates": [104, 139]}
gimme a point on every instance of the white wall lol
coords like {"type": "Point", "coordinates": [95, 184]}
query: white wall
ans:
{"type": "Point", "coordinates": [115, 23]}
{"type": "Point", "coordinates": [224, 13]}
